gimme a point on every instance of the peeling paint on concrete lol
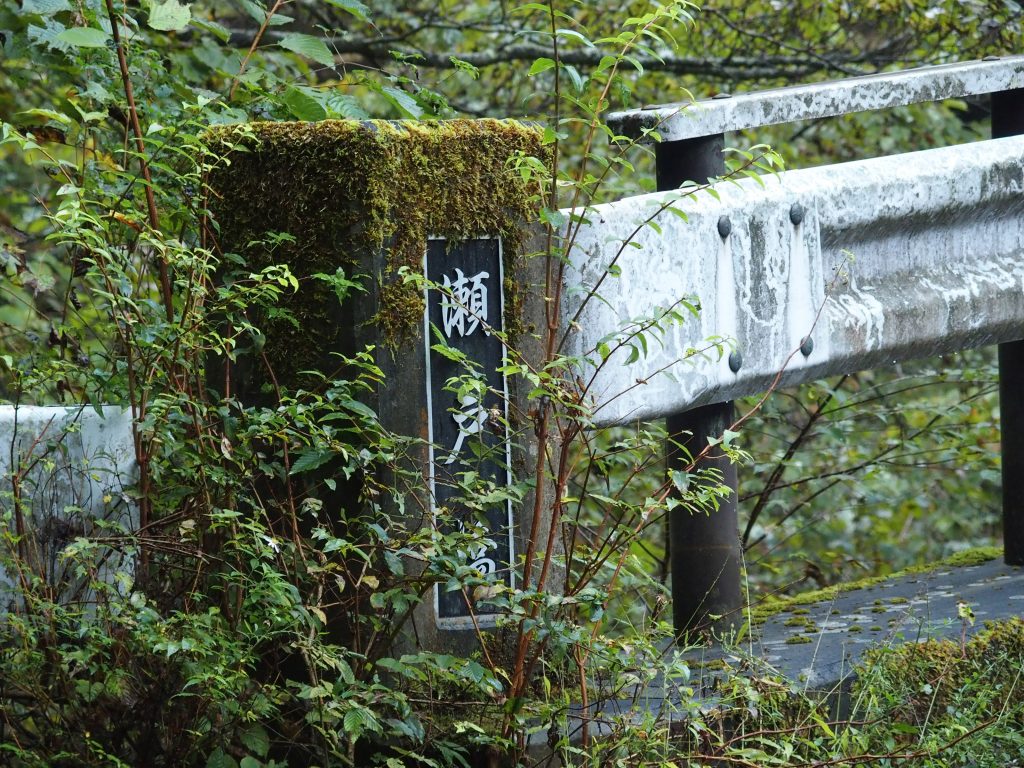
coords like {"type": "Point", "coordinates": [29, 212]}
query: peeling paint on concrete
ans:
{"type": "Point", "coordinates": [895, 258]}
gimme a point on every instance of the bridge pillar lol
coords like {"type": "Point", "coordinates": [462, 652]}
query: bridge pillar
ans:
{"type": "Point", "coordinates": [704, 548]}
{"type": "Point", "coordinates": [1008, 120]}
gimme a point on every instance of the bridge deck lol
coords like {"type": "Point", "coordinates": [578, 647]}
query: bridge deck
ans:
{"type": "Point", "coordinates": [835, 633]}
{"type": "Point", "coordinates": [910, 608]}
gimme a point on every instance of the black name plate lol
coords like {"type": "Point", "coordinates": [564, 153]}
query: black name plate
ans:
{"type": "Point", "coordinates": [467, 409]}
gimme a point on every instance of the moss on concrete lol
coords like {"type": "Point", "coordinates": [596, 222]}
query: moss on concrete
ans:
{"type": "Point", "coordinates": [775, 605]}
{"type": "Point", "coordinates": [924, 679]}
{"type": "Point", "coordinates": [349, 192]}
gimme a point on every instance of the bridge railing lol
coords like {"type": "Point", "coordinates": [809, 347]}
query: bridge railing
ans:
{"type": "Point", "coordinates": [936, 240]}
{"type": "Point", "coordinates": [66, 474]}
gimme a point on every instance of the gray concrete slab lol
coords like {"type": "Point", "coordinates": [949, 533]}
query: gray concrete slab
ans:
{"type": "Point", "coordinates": [817, 645]}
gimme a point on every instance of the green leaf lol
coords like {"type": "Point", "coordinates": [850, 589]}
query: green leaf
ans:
{"type": "Point", "coordinates": [357, 721]}
{"type": "Point", "coordinates": [302, 105]}
{"type": "Point", "coordinates": [361, 408]}
{"type": "Point", "coordinates": [354, 7]}
{"type": "Point", "coordinates": [575, 35]}
{"type": "Point", "coordinates": [394, 562]}
{"type": "Point", "coordinates": [219, 31]}
{"type": "Point", "coordinates": [48, 35]}
{"type": "Point", "coordinates": [259, 13]}
{"type": "Point", "coordinates": [540, 65]}
{"type": "Point", "coordinates": [219, 759]}
{"type": "Point", "coordinates": [256, 740]}
{"type": "Point", "coordinates": [45, 7]}
{"type": "Point", "coordinates": [403, 101]}
{"type": "Point", "coordinates": [169, 15]}
{"type": "Point", "coordinates": [84, 37]}
{"type": "Point", "coordinates": [250, 762]}
{"type": "Point", "coordinates": [728, 436]}
{"type": "Point", "coordinates": [311, 460]}
{"type": "Point", "coordinates": [48, 114]}
{"type": "Point", "coordinates": [607, 62]}
{"type": "Point", "coordinates": [97, 92]}
{"type": "Point", "coordinates": [681, 480]}
{"type": "Point", "coordinates": [311, 47]}
{"type": "Point", "coordinates": [344, 106]}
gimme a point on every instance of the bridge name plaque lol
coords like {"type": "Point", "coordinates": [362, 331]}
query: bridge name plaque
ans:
{"type": "Point", "coordinates": [467, 408]}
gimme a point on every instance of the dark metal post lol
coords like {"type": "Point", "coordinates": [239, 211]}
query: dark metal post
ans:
{"type": "Point", "coordinates": [704, 549]}
{"type": "Point", "coordinates": [1008, 120]}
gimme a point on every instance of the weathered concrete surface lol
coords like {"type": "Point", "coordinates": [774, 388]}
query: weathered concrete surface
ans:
{"type": "Point", "coordinates": [876, 261]}
{"type": "Point", "coordinates": [72, 468]}
{"type": "Point", "coordinates": [909, 608]}
{"type": "Point", "coordinates": [688, 120]}
{"type": "Point", "coordinates": [817, 646]}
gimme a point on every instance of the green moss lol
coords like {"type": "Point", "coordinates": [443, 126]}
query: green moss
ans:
{"type": "Point", "coordinates": [798, 640]}
{"type": "Point", "coordinates": [775, 605]}
{"type": "Point", "coordinates": [975, 556]}
{"type": "Point", "coordinates": [366, 196]}
{"type": "Point", "coordinates": [876, 628]}
{"type": "Point", "coordinates": [983, 671]}
{"type": "Point", "coordinates": [714, 665]}
{"type": "Point", "coordinates": [898, 600]}
{"type": "Point", "coordinates": [854, 628]}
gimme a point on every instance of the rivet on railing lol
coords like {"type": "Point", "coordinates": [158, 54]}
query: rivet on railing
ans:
{"type": "Point", "coordinates": [796, 213]}
{"type": "Point", "coordinates": [724, 227]}
{"type": "Point", "coordinates": [735, 361]}
{"type": "Point", "coordinates": [806, 346]}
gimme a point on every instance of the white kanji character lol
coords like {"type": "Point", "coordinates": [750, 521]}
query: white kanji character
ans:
{"type": "Point", "coordinates": [485, 565]}
{"type": "Point", "coordinates": [466, 304]}
{"type": "Point", "coordinates": [470, 421]}
{"type": "Point", "coordinates": [478, 556]}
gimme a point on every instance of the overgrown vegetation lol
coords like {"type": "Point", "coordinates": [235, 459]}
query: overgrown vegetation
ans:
{"type": "Point", "coordinates": [283, 540]}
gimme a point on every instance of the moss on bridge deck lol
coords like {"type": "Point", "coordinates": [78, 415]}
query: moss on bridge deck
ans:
{"type": "Point", "coordinates": [816, 639]}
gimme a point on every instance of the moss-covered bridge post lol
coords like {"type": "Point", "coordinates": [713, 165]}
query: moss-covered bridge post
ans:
{"type": "Point", "coordinates": [389, 202]}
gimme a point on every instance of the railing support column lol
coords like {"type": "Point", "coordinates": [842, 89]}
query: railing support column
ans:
{"type": "Point", "coordinates": [704, 548]}
{"type": "Point", "coordinates": [1008, 120]}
